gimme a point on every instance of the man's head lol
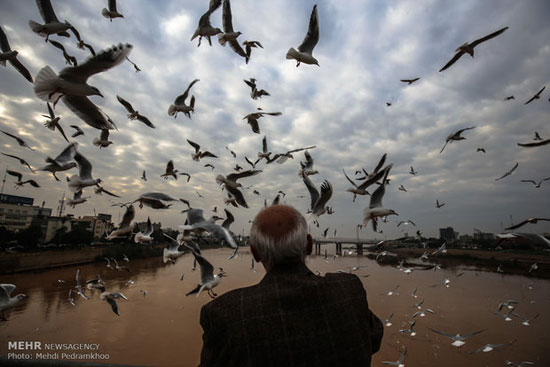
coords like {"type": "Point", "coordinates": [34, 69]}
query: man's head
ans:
{"type": "Point", "coordinates": [279, 235]}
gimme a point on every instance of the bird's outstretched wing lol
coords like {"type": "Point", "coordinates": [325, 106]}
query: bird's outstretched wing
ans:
{"type": "Point", "coordinates": [312, 36]}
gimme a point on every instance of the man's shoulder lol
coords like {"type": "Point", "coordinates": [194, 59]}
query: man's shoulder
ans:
{"type": "Point", "coordinates": [231, 298]}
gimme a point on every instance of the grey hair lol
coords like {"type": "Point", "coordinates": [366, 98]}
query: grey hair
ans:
{"type": "Point", "coordinates": [286, 248]}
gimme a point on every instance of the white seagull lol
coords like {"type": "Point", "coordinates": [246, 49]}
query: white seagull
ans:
{"type": "Point", "coordinates": [209, 280]}
{"type": "Point", "coordinates": [124, 227]}
{"type": "Point", "coordinates": [10, 55]}
{"type": "Point", "coordinates": [375, 208]}
{"type": "Point", "coordinates": [84, 178]}
{"type": "Point", "coordinates": [6, 301]}
{"type": "Point", "coordinates": [318, 199]}
{"type": "Point", "coordinates": [112, 12]}
{"type": "Point", "coordinates": [145, 236]}
{"type": "Point", "coordinates": [458, 340]}
{"type": "Point", "coordinates": [179, 103]}
{"type": "Point", "coordinates": [51, 25]}
{"type": "Point", "coordinates": [304, 52]}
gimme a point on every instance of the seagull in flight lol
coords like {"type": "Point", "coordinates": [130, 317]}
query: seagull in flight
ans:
{"type": "Point", "coordinates": [468, 48]}
{"type": "Point", "coordinates": [124, 227]}
{"type": "Point", "coordinates": [318, 199]}
{"type": "Point", "coordinates": [305, 50]}
{"type": "Point", "coordinates": [21, 160]}
{"type": "Point", "coordinates": [70, 85]}
{"type": "Point", "coordinates": [77, 199]}
{"type": "Point", "coordinates": [209, 280]}
{"type": "Point", "coordinates": [536, 144]}
{"type": "Point", "coordinates": [51, 25]}
{"type": "Point", "coordinates": [232, 186]}
{"type": "Point", "coordinates": [530, 220]}
{"type": "Point", "coordinates": [170, 171]}
{"type": "Point", "coordinates": [409, 81]}
{"type": "Point", "coordinates": [198, 154]}
{"type": "Point", "coordinates": [536, 96]}
{"type": "Point", "coordinates": [375, 208]}
{"type": "Point", "coordinates": [307, 167]}
{"type": "Point", "coordinates": [489, 347]}
{"type": "Point", "coordinates": [400, 361]}
{"type": "Point", "coordinates": [53, 122]}
{"type": "Point", "coordinates": [537, 184]}
{"type": "Point", "coordinates": [112, 12]}
{"type": "Point", "coordinates": [179, 103]}
{"type": "Point", "coordinates": [248, 45]}
{"type": "Point", "coordinates": [78, 131]}
{"type": "Point", "coordinates": [458, 340]}
{"type": "Point", "coordinates": [84, 177]}
{"type": "Point", "coordinates": [204, 28]}
{"type": "Point", "coordinates": [252, 119]}
{"type": "Point", "coordinates": [412, 171]}
{"type": "Point", "coordinates": [133, 114]}
{"type": "Point", "coordinates": [509, 172]}
{"type": "Point", "coordinates": [229, 35]}
{"type": "Point", "coordinates": [63, 162]}
{"type": "Point", "coordinates": [11, 56]}
{"type": "Point", "coordinates": [455, 136]}
{"type": "Point", "coordinates": [19, 140]}
{"type": "Point", "coordinates": [145, 236]}
{"type": "Point", "coordinates": [255, 93]}
{"type": "Point", "coordinates": [6, 301]}
{"type": "Point", "coordinates": [438, 205]}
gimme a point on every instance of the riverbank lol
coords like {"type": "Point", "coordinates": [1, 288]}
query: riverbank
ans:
{"type": "Point", "coordinates": [509, 261]}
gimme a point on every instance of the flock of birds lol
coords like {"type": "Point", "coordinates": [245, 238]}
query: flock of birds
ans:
{"type": "Point", "coordinates": [71, 86]}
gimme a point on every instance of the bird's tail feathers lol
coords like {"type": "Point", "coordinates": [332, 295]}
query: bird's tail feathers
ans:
{"type": "Point", "coordinates": [44, 84]}
{"type": "Point", "coordinates": [221, 39]}
{"type": "Point", "coordinates": [36, 27]}
{"type": "Point", "coordinates": [291, 53]}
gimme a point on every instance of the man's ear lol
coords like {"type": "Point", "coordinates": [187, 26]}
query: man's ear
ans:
{"type": "Point", "coordinates": [309, 245]}
{"type": "Point", "coordinates": [255, 253]}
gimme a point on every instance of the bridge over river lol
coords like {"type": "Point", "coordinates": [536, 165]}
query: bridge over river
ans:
{"type": "Point", "coordinates": [360, 243]}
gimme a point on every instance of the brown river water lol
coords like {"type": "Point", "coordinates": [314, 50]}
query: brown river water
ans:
{"type": "Point", "coordinates": [162, 328]}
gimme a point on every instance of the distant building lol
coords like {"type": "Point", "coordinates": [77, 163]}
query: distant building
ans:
{"type": "Point", "coordinates": [481, 236]}
{"type": "Point", "coordinates": [18, 212]}
{"type": "Point", "coordinates": [54, 224]}
{"type": "Point", "coordinates": [99, 226]}
{"type": "Point", "coordinates": [447, 234]}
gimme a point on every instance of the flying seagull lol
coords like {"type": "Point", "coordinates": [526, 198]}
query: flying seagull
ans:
{"type": "Point", "coordinates": [318, 199]}
{"type": "Point", "coordinates": [265, 153]}
{"type": "Point", "coordinates": [53, 122]}
{"type": "Point", "coordinates": [21, 161]}
{"type": "Point", "coordinates": [64, 161]}
{"type": "Point", "coordinates": [248, 45]}
{"type": "Point", "coordinates": [455, 136]}
{"type": "Point", "coordinates": [133, 114]}
{"type": "Point", "coordinates": [536, 144]}
{"type": "Point", "coordinates": [111, 13]}
{"type": "Point", "coordinates": [229, 35]}
{"type": "Point", "coordinates": [170, 171]}
{"type": "Point", "coordinates": [11, 56]}
{"type": "Point", "coordinates": [509, 172]}
{"type": "Point", "coordinates": [255, 93]}
{"type": "Point", "coordinates": [179, 103]}
{"type": "Point", "coordinates": [204, 28]}
{"type": "Point", "coordinates": [409, 81]}
{"type": "Point", "coordinates": [154, 200]}
{"type": "Point", "coordinates": [375, 208]}
{"type": "Point", "coordinates": [81, 44]}
{"type": "Point", "coordinates": [398, 363]}
{"type": "Point", "coordinates": [145, 236]}
{"type": "Point", "coordinates": [438, 205]}
{"type": "Point", "coordinates": [530, 220]}
{"type": "Point", "coordinates": [252, 119]}
{"type": "Point", "coordinates": [51, 25]}
{"type": "Point", "coordinates": [20, 141]}
{"type": "Point", "coordinates": [197, 223]}
{"type": "Point", "coordinates": [306, 167]}
{"type": "Point", "coordinates": [198, 154]}
{"type": "Point", "coordinates": [124, 227]}
{"type": "Point", "coordinates": [468, 48]}
{"type": "Point", "coordinates": [84, 178]}
{"type": "Point", "coordinates": [209, 280]}
{"type": "Point", "coordinates": [536, 96]}
{"type": "Point", "coordinates": [537, 184]}
{"type": "Point", "coordinates": [361, 189]}
{"type": "Point", "coordinates": [412, 171]}
{"type": "Point", "coordinates": [77, 199]}
{"type": "Point", "coordinates": [103, 140]}
{"type": "Point", "coordinates": [232, 186]}
{"type": "Point", "coordinates": [70, 85]}
{"type": "Point", "coordinates": [458, 340]}
{"type": "Point", "coordinates": [304, 52]}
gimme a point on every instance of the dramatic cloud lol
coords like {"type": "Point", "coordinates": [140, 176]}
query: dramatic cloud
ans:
{"type": "Point", "coordinates": [365, 48]}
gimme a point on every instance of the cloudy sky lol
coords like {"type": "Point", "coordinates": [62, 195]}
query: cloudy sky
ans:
{"type": "Point", "coordinates": [364, 49]}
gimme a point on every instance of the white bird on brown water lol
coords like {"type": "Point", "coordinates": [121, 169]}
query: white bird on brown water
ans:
{"type": "Point", "coordinates": [6, 301]}
{"type": "Point", "coordinates": [305, 50]}
{"type": "Point", "coordinates": [458, 340]}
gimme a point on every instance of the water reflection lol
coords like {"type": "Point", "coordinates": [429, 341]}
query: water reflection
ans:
{"type": "Point", "coordinates": [162, 328]}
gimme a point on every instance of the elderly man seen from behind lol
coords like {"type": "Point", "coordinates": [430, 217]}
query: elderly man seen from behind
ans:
{"type": "Point", "coordinates": [292, 317]}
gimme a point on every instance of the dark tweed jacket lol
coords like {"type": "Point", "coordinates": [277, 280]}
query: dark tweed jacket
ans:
{"type": "Point", "coordinates": [292, 318]}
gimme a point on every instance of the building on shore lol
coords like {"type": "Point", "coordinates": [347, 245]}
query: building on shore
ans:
{"type": "Point", "coordinates": [18, 213]}
{"type": "Point", "coordinates": [448, 234]}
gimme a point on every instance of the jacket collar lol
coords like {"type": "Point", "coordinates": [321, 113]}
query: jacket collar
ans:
{"type": "Point", "coordinates": [286, 271]}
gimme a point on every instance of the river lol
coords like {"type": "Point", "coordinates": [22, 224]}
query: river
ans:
{"type": "Point", "coordinates": [161, 328]}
